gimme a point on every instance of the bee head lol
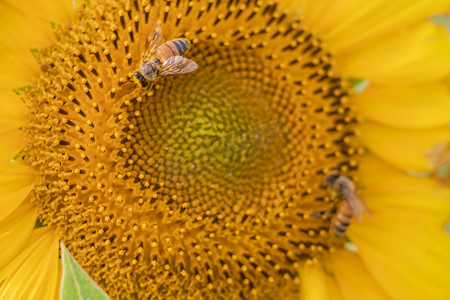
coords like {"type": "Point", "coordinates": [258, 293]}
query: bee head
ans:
{"type": "Point", "coordinates": [331, 178]}
{"type": "Point", "coordinates": [139, 79]}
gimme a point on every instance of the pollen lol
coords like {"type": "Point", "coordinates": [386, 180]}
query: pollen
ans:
{"type": "Point", "coordinates": [208, 184]}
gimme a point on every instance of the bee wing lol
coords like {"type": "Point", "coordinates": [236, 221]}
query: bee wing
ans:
{"type": "Point", "coordinates": [355, 202]}
{"type": "Point", "coordinates": [177, 65]}
{"type": "Point", "coordinates": [154, 39]}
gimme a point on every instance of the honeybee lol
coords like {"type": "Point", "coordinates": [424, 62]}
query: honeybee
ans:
{"type": "Point", "coordinates": [163, 58]}
{"type": "Point", "coordinates": [350, 206]}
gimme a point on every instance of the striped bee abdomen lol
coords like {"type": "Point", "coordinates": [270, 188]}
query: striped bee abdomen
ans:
{"type": "Point", "coordinates": [172, 48]}
{"type": "Point", "coordinates": [342, 219]}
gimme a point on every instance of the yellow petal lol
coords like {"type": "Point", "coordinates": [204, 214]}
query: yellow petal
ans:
{"type": "Point", "coordinates": [406, 257]}
{"type": "Point", "coordinates": [391, 193]}
{"type": "Point", "coordinates": [33, 274]}
{"type": "Point", "coordinates": [18, 70]}
{"type": "Point", "coordinates": [12, 141]}
{"type": "Point", "coordinates": [353, 278]}
{"type": "Point", "coordinates": [423, 105]}
{"type": "Point", "coordinates": [418, 55]}
{"type": "Point", "coordinates": [317, 284]}
{"type": "Point", "coordinates": [59, 11]}
{"type": "Point", "coordinates": [58, 283]}
{"type": "Point", "coordinates": [375, 173]}
{"type": "Point", "coordinates": [403, 244]}
{"type": "Point", "coordinates": [348, 25]}
{"type": "Point", "coordinates": [16, 182]}
{"type": "Point", "coordinates": [15, 231]}
{"type": "Point", "coordinates": [22, 32]}
{"type": "Point", "coordinates": [13, 116]}
{"type": "Point", "coordinates": [12, 111]}
{"type": "Point", "coordinates": [383, 187]}
{"type": "Point", "coordinates": [435, 210]}
{"type": "Point", "coordinates": [403, 148]}
{"type": "Point", "coordinates": [26, 25]}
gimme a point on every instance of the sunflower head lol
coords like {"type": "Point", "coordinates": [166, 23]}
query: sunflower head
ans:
{"type": "Point", "coordinates": [207, 182]}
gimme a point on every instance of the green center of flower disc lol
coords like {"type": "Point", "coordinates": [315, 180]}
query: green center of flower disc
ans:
{"type": "Point", "coordinates": [209, 183]}
{"type": "Point", "coordinates": [227, 142]}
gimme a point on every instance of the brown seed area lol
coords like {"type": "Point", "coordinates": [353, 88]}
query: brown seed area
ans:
{"type": "Point", "coordinates": [209, 184]}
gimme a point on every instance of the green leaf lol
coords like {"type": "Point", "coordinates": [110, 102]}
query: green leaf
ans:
{"type": "Point", "coordinates": [18, 158]}
{"type": "Point", "coordinates": [75, 283]}
{"type": "Point", "coordinates": [443, 20]}
{"type": "Point", "coordinates": [35, 53]}
{"type": "Point", "coordinates": [18, 91]}
{"type": "Point", "coordinates": [358, 85]}
{"type": "Point", "coordinates": [39, 223]}
{"type": "Point", "coordinates": [75, 4]}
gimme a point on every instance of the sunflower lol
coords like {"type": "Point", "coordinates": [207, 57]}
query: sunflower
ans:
{"type": "Point", "coordinates": [212, 184]}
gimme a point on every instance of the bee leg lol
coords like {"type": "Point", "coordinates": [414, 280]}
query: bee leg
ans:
{"type": "Point", "coordinates": [132, 81]}
{"type": "Point", "coordinates": [150, 85]}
